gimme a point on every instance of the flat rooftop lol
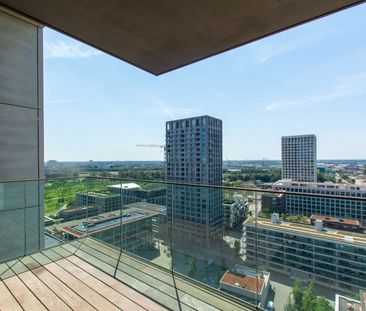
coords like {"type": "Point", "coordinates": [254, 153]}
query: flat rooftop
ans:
{"type": "Point", "coordinates": [350, 222]}
{"type": "Point", "coordinates": [319, 185]}
{"type": "Point", "coordinates": [100, 194]}
{"type": "Point", "coordinates": [104, 222]}
{"type": "Point", "coordinates": [335, 235]}
{"type": "Point", "coordinates": [147, 206]}
{"type": "Point", "coordinates": [247, 282]}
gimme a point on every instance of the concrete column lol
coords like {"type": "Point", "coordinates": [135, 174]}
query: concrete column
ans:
{"type": "Point", "coordinates": [21, 136]}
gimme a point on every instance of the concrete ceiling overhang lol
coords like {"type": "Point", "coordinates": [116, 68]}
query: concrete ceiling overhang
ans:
{"type": "Point", "coordinates": [161, 35]}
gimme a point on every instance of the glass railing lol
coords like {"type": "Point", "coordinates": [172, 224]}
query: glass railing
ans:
{"type": "Point", "coordinates": [170, 239]}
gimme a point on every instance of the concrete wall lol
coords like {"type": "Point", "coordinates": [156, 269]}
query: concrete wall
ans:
{"type": "Point", "coordinates": [21, 136]}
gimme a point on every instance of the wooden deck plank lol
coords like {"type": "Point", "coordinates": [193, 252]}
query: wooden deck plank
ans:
{"type": "Point", "coordinates": [106, 258]}
{"type": "Point", "coordinates": [18, 267]}
{"type": "Point", "coordinates": [148, 269]}
{"type": "Point", "coordinates": [130, 293]}
{"type": "Point", "coordinates": [166, 300]}
{"type": "Point", "coordinates": [3, 268]}
{"type": "Point", "coordinates": [104, 248]}
{"type": "Point", "coordinates": [7, 301]}
{"type": "Point", "coordinates": [66, 294]}
{"type": "Point", "coordinates": [51, 254]}
{"type": "Point", "coordinates": [42, 259]}
{"type": "Point", "coordinates": [7, 274]}
{"type": "Point", "coordinates": [141, 276]}
{"type": "Point", "coordinates": [61, 251]}
{"type": "Point", "coordinates": [23, 295]}
{"type": "Point", "coordinates": [96, 262]}
{"type": "Point", "coordinates": [42, 292]}
{"type": "Point", "coordinates": [70, 248]}
{"type": "Point", "coordinates": [127, 264]}
{"type": "Point", "coordinates": [106, 291]}
{"type": "Point", "coordinates": [148, 291]}
{"type": "Point", "coordinates": [197, 303]}
{"type": "Point", "coordinates": [84, 291]}
{"type": "Point", "coordinates": [147, 279]}
{"type": "Point", "coordinates": [205, 296]}
{"type": "Point", "coordinates": [30, 262]}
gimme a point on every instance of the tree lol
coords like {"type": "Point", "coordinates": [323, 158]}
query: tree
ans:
{"type": "Point", "coordinates": [297, 294]}
{"type": "Point", "coordinates": [323, 305]}
{"type": "Point", "coordinates": [309, 302]}
{"type": "Point", "coordinates": [192, 268]}
{"type": "Point", "coordinates": [237, 247]}
{"type": "Point", "coordinates": [223, 264]}
{"type": "Point", "coordinates": [303, 298]}
{"type": "Point", "coordinates": [303, 219]}
{"type": "Point", "coordinates": [289, 306]}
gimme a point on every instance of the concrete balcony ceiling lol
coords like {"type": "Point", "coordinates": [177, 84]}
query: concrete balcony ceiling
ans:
{"type": "Point", "coordinates": [162, 35]}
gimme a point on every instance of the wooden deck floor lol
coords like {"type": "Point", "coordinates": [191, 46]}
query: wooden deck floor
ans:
{"type": "Point", "coordinates": [90, 275]}
{"type": "Point", "coordinates": [70, 284]}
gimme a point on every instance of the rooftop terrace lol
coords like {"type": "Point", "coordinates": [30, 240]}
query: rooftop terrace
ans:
{"type": "Point", "coordinates": [246, 282]}
{"type": "Point", "coordinates": [88, 275]}
{"type": "Point", "coordinates": [103, 222]}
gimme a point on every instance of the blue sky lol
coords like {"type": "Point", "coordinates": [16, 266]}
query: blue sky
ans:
{"type": "Point", "coordinates": [308, 80]}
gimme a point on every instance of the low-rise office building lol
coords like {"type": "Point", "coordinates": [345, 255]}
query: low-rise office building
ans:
{"type": "Point", "coordinates": [332, 207]}
{"type": "Point", "coordinates": [105, 201]}
{"type": "Point", "coordinates": [247, 283]}
{"type": "Point", "coordinates": [133, 231]}
{"type": "Point", "coordinates": [336, 259]}
{"type": "Point", "coordinates": [133, 193]}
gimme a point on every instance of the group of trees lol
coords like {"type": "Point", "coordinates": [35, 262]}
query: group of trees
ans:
{"type": "Point", "coordinates": [157, 174]}
{"type": "Point", "coordinates": [60, 192]}
{"type": "Point", "coordinates": [303, 298]}
{"type": "Point", "coordinates": [253, 174]}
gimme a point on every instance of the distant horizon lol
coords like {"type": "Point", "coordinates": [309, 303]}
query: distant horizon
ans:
{"type": "Point", "coordinates": [262, 160]}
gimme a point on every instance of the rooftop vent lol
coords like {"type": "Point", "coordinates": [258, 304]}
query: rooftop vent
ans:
{"type": "Point", "coordinates": [275, 218]}
{"type": "Point", "coordinates": [318, 225]}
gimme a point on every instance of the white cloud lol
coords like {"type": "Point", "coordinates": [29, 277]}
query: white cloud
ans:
{"type": "Point", "coordinates": [286, 42]}
{"type": "Point", "coordinates": [344, 88]}
{"type": "Point", "coordinates": [63, 49]}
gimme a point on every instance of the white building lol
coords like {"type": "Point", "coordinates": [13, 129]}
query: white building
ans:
{"type": "Point", "coordinates": [245, 282]}
{"type": "Point", "coordinates": [299, 158]}
{"type": "Point", "coordinates": [332, 258]}
{"type": "Point", "coordinates": [333, 207]}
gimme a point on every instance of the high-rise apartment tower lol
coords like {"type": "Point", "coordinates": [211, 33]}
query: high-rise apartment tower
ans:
{"type": "Point", "coordinates": [194, 155]}
{"type": "Point", "coordinates": [299, 158]}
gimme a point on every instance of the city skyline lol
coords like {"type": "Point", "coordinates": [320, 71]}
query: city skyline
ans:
{"type": "Point", "coordinates": [320, 90]}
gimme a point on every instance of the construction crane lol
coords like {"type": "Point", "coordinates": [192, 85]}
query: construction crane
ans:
{"type": "Point", "coordinates": [154, 146]}
{"type": "Point", "coordinates": [151, 145]}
